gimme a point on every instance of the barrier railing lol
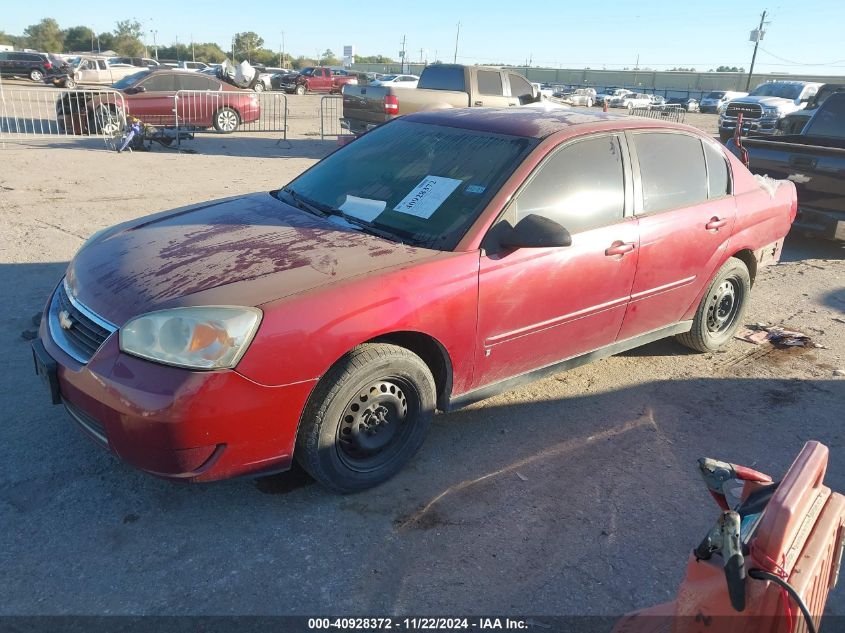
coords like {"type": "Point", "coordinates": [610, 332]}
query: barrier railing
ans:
{"type": "Point", "coordinates": [672, 112]}
{"type": "Point", "coordinates": [331, 110]}
{"type": "Point", "coordinates": [228, 111]}
{"type": "Point", "coordinates": [47, 113]}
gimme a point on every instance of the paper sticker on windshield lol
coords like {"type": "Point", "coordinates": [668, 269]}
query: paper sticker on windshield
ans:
{"type": "Point", "coordinates": [475, 189]}
{"type": "Point", "coordinates": [362, 208]}
{"type": "Point", "coordinates": [427, 196]}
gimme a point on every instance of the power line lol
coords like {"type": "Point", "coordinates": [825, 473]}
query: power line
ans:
{"type": "Point", "coordinates": [794, 63]}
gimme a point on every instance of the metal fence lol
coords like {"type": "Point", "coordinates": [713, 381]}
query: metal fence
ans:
{"type": "Point", "coordinates": [229, 111]}
{"type": "Point", "coordinates": [46, 113]}
{"type": "Point", "coordinates": [671, 112]}
{"type": "Point", "coordinates": [331, 111]}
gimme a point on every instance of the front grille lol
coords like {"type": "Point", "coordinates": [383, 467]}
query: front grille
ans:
{"type": "Point", "coordinates": [748, 110]}
{"type": "Point", "coordinates": [77, 330]}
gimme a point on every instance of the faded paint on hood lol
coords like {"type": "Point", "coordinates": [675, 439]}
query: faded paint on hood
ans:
{"type": "Point", "coordinates": [240, 251]}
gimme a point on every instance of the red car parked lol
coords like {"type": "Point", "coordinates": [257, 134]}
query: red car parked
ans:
{"type": "Point", "coordinates": [150, 95]}
{"type": "Point", "coordinates": [430, 263]}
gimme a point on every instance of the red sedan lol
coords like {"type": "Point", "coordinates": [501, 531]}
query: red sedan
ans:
{"type": "Point", "coordinates": [432, 262]}
{"type": "Point", "coordinates": [151, 96]}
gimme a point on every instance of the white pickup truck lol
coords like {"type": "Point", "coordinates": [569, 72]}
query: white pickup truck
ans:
{"type": "Point", "coordinates": [764, 106]}
{"type": "Point", "coordinates": [92, 69]}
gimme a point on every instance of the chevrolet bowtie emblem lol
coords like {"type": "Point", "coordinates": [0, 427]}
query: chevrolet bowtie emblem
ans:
{"type": "Point", "coordinates": [64, 320]}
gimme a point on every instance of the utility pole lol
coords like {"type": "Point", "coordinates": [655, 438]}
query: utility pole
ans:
{"type": "Point", "coordinates": [758, 35]}
{"type": "Point", "coordinates": [457, 35]}
{"type": "Point", "coordinates": [155, 46]}
{"type": "Point", "coordinates": [193, 54]}
{"type": "Point", "coordinates": [402, 55]}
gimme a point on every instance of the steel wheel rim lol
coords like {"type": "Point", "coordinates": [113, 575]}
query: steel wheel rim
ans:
{"type": "Point", "coordinates": [723, 306]}
{"type": "Point", "coordinates": [376, 423]}
{"type": "Point", "coordinates": [227, 120]}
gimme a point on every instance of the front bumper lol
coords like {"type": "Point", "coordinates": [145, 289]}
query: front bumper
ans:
{"type": "Point", "coordinates": [828, 225]}
{"type": "Point", "coordinates": [758, 126]}
{"type": "Point", "coordinates": [176, 423]}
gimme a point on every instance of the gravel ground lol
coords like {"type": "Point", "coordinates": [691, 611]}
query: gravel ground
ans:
{"type": "Point", "coordinates": [574, 495]}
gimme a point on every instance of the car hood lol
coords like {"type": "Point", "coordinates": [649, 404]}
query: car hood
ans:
{"type": "Point", "coordinates": [238, 251]}
{"type": "Point", "coordinates": [765, 101]}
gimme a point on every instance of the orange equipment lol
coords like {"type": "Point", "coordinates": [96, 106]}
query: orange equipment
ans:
{"type": "Point", "coordinates": [768, 564]}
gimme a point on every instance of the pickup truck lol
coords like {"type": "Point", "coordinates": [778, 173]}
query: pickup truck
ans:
{"type": "Point", "coordinates": [793, 123]}
{"type": "Point", "coordinates": [91, 69]}
{"type": "Point", "coordinates": [440, 86]}
{"type": "Point", "coordinates": [815, 161]}
{"type": "Point", "coordinates": [765, 106]}
{"type": "Point", "coordinates": [317, 79]}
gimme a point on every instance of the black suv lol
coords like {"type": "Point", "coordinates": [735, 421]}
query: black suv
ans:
{"type": "Point", "coordinates": [36, 66]}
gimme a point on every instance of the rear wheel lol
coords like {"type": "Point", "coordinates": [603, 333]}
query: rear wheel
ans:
{"type": "Point", "coordinates": [589, 103]}
{"type": "Point", "coordinates": [720, 311]}
{"type": "Point", "coordinates": [226, 120]}
{"type": "Point", "coordinates": [367, 417]}
{"type": "Point", "coordinates": [36, 75]}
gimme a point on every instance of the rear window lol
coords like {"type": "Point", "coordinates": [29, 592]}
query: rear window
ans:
{"type": "Point", "coordinates": [443, 78]}
{"type": "Point", "coordinates": [423, 184]}
{"type": "Point", "coordinates": [830, 119]}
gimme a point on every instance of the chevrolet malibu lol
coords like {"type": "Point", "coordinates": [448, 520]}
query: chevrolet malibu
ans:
{"type": "Point", "coordinates": [432, 262]}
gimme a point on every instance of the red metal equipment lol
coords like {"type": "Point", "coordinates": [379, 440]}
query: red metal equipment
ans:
{"type": "Point", "coordinates": [768, 564]}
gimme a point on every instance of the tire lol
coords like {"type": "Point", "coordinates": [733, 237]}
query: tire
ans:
{"type": "Point", "coordinates": [300, 89]}
{"type": "Point", "coordinates": [70, 83]}
{"type": "Point", "coordinates": [720, 312]}
{"type": "Point", "coordinates": [107, 120]}
{"type": "Point", "coordinates": [36, 75]}
{"type": "Point", "coordinates": [226, 120]}
{"type": "Point", "coordinates": [259, 87]}
{"type": "Point", "coordinates": [367, 417]}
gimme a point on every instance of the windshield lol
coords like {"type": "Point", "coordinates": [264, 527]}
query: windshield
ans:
{"type": "Point", "coordinates": [715, 95]}
{"type": "Point", "coordinates": [130, 80]}
{"type": "Point", "coordinates": [784, 91]}
{"type": "Point", "coordinates": [307, 71]}
{"type": "Point", "coordinates": [417, 183]}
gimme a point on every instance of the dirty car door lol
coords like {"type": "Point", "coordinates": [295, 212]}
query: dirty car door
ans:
{"type": "Point", "coordinates": [685, 222]}
{"type": "Point", "coordinates": [538, 306]}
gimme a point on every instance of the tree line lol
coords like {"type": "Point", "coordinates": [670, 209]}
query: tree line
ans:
{"type": "Point", "coordinates": [127, 39]}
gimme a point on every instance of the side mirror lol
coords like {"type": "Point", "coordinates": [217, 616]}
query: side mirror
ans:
{"type": "Point", "coordinates": [138, 89]}
{"type": "Point", "coordinates": [535, 231]}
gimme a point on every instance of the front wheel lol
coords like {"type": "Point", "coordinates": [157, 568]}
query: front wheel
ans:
{"type": "Point", "coordinates": [720, 311]}
{"type": "Point", "coordinates": [226, 120]}
{"type": "Point", "coordinates": [259, 87]}
{"type": "Point", "coordinates": [367, 417]}
{"type": "Point", "coordinates": [300, 89]}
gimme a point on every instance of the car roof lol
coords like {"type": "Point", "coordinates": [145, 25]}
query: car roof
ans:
{"type": "Point", "coordinates": [536, 123]}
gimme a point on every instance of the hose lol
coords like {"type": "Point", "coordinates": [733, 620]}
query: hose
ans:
{"type": "Point", "coordinates": [759, 574]}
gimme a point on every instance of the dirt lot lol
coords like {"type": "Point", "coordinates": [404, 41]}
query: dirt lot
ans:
{"type": "Point", "coordinates": [574, 495]}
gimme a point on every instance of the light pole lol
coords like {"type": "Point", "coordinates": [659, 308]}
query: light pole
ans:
{"type": "Point", "coordinates": [457, 35]}
{"type": "Point", "coordinates": [153, 32]}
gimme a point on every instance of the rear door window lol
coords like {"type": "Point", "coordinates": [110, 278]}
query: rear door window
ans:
{"type": "Point", "coordinates": [490, 83]}
{"type": "Point", "coordinates": [194, 82]}
{"type": "Point", "coordinates": [581, 186]}
{"type": "Point", "coordinates": [672, 170]}
{"type": "Point", "coordinates": [443, 78]}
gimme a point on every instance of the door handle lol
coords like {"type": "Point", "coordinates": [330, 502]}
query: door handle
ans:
{"type": "Point", "coordinates": [715, 224]}
{"type": "Point", "coordinates": [620, 248]}
{"type": "Point", "coordinates": [803, 161]}
{"type": "Point", "coordinates": [478, 104]}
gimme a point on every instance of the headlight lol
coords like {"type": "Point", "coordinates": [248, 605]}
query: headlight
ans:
{"type": "Point", "coordinates": [206, 337]}
{"type": "Point", "coordinates": [770, 112]}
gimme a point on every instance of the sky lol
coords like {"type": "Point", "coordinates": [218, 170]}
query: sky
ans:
{"type": "Point", "coordinates": [801, 37]}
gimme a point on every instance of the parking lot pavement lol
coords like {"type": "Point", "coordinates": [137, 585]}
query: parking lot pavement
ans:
{"type": "Point", "coordinates": [574, 495]}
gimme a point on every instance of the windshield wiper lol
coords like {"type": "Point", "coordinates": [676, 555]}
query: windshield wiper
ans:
{"type": "Point", "coordinates": [305, 204]}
